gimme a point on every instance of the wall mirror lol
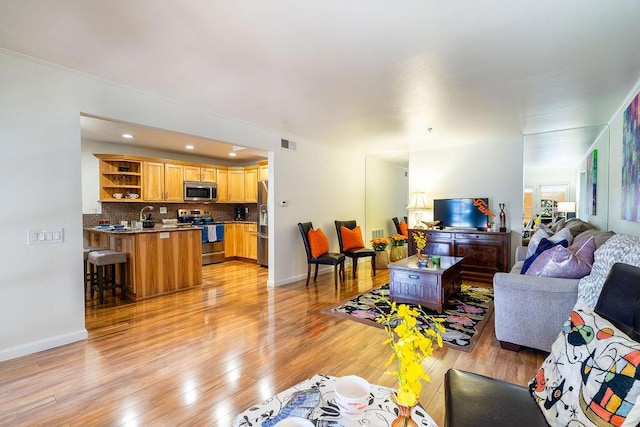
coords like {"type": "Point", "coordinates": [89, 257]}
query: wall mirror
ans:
{"type": "Point", "coordinates": [557, 166]}
{"type": "Point", "coordinates": [386, 191]}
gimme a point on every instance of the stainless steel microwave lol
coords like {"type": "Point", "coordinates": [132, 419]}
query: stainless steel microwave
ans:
{"type": "Point", "coordinates": [200, 191]}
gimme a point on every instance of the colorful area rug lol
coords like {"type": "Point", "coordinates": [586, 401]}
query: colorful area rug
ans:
{"type": "Point", "coordinates": [465, 313]}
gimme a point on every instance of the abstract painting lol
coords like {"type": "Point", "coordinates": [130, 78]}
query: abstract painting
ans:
{"type": "Point", "coordinates": [592, 182]}
{"type": "Point", "coordinates": [631, 163]}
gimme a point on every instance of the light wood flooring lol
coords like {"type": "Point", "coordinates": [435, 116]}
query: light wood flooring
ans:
{"type": "Point", "coordinates": [201, 356]}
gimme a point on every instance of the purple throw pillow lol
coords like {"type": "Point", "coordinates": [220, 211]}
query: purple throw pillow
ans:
{"type": "Point", "coordinates": [542, 246]}
{"type": "Point", "coordinates": [568, 263]}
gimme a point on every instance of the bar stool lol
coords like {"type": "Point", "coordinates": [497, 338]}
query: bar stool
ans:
{"type": "Point", "coordinates": [87, 276]}
{"type": "Point", "coordinates": [98, 260]}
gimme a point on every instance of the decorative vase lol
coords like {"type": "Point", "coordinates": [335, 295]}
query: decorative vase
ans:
{"type": "Point", "coordinates": [423, 259]}
{"type": "Point", "coordinates": [397, 253]}
{"type": "Point", "coordinates": [503, 218]}
{"type": "Point", "coordinates": [382, 259]}
{"type": "Point", "coordinates": [404, 416]}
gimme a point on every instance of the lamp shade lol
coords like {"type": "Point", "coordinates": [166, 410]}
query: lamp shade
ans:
{"type": "Point", "coordinates": [417, 200]}
{"type": "Point", "coordinates": [566, 206]}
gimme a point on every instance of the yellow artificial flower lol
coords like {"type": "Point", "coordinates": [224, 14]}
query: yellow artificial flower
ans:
{"type": "Point", "coordinates": [411, 346]}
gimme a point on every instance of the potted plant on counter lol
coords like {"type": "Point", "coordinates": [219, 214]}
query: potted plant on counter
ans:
{"type": "Point", "coordinates": [382, 256]}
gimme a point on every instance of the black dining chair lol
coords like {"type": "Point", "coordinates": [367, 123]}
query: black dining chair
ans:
{"type": "Point", "coordinates": [355, 253]}
{"type": "Point", "coordinates": [329, 258]}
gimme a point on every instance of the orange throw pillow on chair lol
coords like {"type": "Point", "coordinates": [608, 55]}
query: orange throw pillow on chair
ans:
{"type": "Point", "coordinates": [404, 228]}
{"type": "Point", "coordinates": [318, 242]}
{"type": "Point", "coordinates": [351, 239]}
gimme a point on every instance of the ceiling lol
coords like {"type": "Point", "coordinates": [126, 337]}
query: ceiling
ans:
{"type": "Point", "coordinates": [372, 74]}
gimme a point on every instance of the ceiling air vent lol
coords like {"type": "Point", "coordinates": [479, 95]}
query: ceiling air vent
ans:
{"type": "Point", "coordinates": [289, 145]}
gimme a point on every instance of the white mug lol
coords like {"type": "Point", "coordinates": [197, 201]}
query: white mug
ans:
{"type": "Point", "coordinates": [352, 395]}
{"type": "Point", "coordinates": [125, 223]}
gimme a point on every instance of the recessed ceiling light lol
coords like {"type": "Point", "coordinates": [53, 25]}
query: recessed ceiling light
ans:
{"type": "Point", "coordinates": [232, 154]}
{"type": "Point", "coordinates": [189, 147]}
{"type": "Point", "coordinates": [127, 136]}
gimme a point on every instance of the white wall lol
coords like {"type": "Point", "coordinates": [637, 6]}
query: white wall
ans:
{"type": "Point", "coordinates": [491, 170]}
{"type": "Point", "coordinates": [387, 188]}
{"type": "Point", "coordinates": [41, 289]}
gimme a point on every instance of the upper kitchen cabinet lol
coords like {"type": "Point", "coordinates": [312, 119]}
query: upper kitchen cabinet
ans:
{"type": "Point", "coordinates": [200, 174]}
{"type": "Point", "coordinates": [235, 185]}
{"type": "Point", "coordinates": [162, 182]}
{"type": "Point", "coordinates": [222, 177]}
{"type": "Point", "coordinates": [120, 178]}
{"type": "Point", "coordinates": [251, 184]}
{"type": "Point", "coordinates": [263, 171]}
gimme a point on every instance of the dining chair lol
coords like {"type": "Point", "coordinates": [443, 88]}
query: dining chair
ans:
{"type": "Point", "coordinates": [354, 253]}
{"type": "Point", "coordinates": [328, 258]}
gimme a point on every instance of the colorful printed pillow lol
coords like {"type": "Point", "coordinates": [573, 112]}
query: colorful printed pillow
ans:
{"type": "Point", "coordinates": [318, 242]}
{"type": "Point", "coordinates": [404, 228]}
{"type": "Point", "coordinates": [543, 246]}
{"type": "Point", "coordinates": [351, 239]}
{"type": "Point", "coordinates": [591, 376]}
{"type": "Point", "coordinates": [567, 263]}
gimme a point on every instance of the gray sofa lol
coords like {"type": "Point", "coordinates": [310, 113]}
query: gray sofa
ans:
{"type": "Point", "coordinates": [530, 310]}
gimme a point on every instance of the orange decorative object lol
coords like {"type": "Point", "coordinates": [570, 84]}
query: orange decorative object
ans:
{"type": "Point", "coordinates": [351, 239]}
{"type": "Point", "coordinates": [318, 242]}
{"type": "Point", "coordinates": [482, 207]}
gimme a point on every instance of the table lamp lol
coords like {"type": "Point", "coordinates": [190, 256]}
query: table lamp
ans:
{"type": "Point", "coordinates": [567, 208]}
{"type": "Point", "coordinates": [418, 203]}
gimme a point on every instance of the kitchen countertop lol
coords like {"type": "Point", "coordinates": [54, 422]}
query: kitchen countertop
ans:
{"type": "Point", "coordinates": [159, 227]}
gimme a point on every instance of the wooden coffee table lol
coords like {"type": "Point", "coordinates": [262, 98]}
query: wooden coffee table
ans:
{"type": "Point", "coordinates": [428, 286]}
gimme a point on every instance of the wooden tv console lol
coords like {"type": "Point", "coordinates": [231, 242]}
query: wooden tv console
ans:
{"type": "Point", "coordinates": [485, 252]}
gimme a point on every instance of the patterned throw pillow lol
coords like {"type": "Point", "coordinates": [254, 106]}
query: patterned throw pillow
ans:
{"type": "Point", "coordinates": [591, 376]}
{"type": "Point", "coordinates": [566, 263]}
{"type": "Point", "coordinates": [619, 248]}
{"type": "Point", "coordinates": [542, 233]}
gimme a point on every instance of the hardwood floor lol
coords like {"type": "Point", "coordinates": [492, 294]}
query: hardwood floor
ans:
{"type": "Point", "coordinates": [200, 356]}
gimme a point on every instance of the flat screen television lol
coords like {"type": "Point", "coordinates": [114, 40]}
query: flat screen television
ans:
{"type": "Point", "coordinates": [461, 213]}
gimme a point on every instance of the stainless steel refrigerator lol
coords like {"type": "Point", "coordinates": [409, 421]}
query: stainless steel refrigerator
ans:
{"type": "Point", "coordinates": [263, 224]}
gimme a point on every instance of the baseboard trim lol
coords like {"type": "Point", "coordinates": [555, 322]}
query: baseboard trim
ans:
{"type": "Point", "coordinates": [46, 344]}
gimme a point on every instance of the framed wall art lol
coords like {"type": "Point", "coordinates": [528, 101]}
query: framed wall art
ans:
{"type": "Point", "coordinates": [592, 182]}
{"type": "Point", "coordinates": [631, 163]}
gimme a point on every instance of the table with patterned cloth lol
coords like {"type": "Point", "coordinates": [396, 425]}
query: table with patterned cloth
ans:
{"type": "Point", "coordinates": [380, 412]}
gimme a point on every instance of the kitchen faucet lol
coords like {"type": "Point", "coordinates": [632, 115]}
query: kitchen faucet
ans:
{"type": "Point", "coordinates": [142, 210]}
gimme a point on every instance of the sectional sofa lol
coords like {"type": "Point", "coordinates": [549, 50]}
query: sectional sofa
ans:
{"type": "Point", "coordinates": [531, 309]}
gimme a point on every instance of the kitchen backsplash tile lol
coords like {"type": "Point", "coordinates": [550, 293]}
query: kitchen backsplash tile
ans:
{"type": "Point", "coordinates": [116, 212]}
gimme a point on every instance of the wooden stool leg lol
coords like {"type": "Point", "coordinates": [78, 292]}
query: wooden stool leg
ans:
{"type": "Point", "coordinates": [122, 282]}
{"type": "Point", "coordinates": [113, 280]}
{"type": "Point", "coordinates": [92, 279]}
{"type": "Point", "coordinates": [101, 278]}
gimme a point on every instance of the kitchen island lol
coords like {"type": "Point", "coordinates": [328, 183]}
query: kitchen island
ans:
{"type": "Point", "coordinates": [160, 260]}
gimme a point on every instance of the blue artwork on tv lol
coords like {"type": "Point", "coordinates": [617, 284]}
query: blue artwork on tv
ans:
{"type": "Point", "coordinates": [461, 213]}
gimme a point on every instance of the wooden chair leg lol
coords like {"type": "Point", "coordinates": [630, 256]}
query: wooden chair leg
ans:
{"type": "Point", "coordinates": [315, 276]}
{"type": "Point", "coordinates": [335, 276]}
{"type": "Point", "coordinates": [308, 274]}
{"type": "Point", "coordinates": [354, 266]}
{"type": "Point", "coordinates": [342, 270]}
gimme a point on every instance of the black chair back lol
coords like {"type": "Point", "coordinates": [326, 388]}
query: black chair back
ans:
{"type": "Point", "coordinates": [351, 224]}
{"type": "Point", "coordinates": [397, 224]}
{"type": "Point", "coordinates": [619, 301]}
{"type": "Point", "coordinates": [304, 228]}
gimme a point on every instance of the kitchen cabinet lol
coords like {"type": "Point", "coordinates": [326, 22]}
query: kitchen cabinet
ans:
{"type": "Point", "coordinates": [235, 187]}
{"type": "Point", "coordinates": [162, 182]}
{"type": "Point", "coordinates": [119, 175]}
{"type": "Point", "coordinates": [263, 171]}
{"type": "Point", "coordinates": [251, 184]}
{"type": "Point", "coordinates": [241, 240]}
{"type": "Point", "coordinates": [200, 174]}
{"type": "Point", "coordinates": [250, 241]}
{"type": "Point", "coordinates": [223, 183]}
